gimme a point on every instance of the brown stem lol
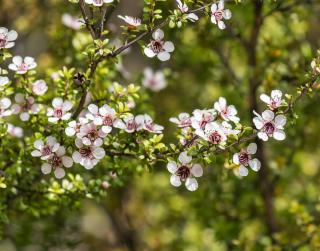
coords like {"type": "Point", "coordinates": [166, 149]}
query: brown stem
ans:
{"type": "Point", "coordinates": [266, 187]}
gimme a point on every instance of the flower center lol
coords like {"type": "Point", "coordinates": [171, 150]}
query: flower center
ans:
{"type": "Point", "coordinates": [3, 42]}
{"type": "Point", "coordinates": [23, 67]}
{"type": "Point", "coordinates": [26, 106]}
{"type": "Point", "coordinates": [183, 172]}
{"type": "Point", "coordinates": [215, 138]}
{"type": "Point", "coordinates": [269, 128]}
{"type": "Point", "coordinates": [46, 150]}
{"type": "Point", "coordinates": [218, 15]}
{"type": "Point", "coordinates": [157, 46]}
{"type": "Point", "coordinates": [107, 120]}
{"type": "Point", "coordinates": [244, 158]}
{"type": "Point", "coordinates": [58, 112]}
{"type": "Point", "coordinates": [86, 152]}
{"type": "Point", "coordinates": [92, 135]}
{"type": "Point", "coordinates": [131, 125]}
{"type": "Point", "coordinates": [56, 161]}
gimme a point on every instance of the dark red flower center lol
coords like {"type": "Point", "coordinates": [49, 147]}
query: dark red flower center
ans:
{"type": "Point", "coordinates": [3, 42]}
{"type": "Point", "coordinates": [86, 152]}
{"type": "Point", "coordinates": [58, 112]}
{"type": "Point", "coordinates": [56, 161]}
{"type": "Point", "coordinates": [244, 158]}
{"type": "Point", "coordinates": [46, 150]}
{"type": "Point", "coordinates": [218, 15]}
{"type": "Point", "coordinates": [157, 46]}
{"type": "Point", "coordinates": [269, 128]}
{"type": "Point", "coordinates": [108, 120]}
{"type": "Point", "coordinates": [183, 172]}
{"type": "Point", "coordinates": [215, 138]}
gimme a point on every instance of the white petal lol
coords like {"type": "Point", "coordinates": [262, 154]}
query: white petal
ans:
{"type": "Point", "coordinates": [276, 94]}
{"type": "Point", "coordinates": [158, 34]}
{"type": "Point", "coordinates": [59, 173]}
{"type": "Point", "coordinates": [243, 171]}
{"type": "Point", "coordinates": [267, 115]}
{"type": "Point", "coordinates": [255, 164]}
{"type": "Point", "coordinates": [163, 56]}
{"type": "Point", "coordinates": [36, 153]}
{"type": "Point", "coordinates": [67, 161]}
{"type": "Point", "coordinates": [99, 153]}
{"type": "Point", "coordinates": [214, 7]}
{"type": "Point", "coordinates": [17, 60]}
{"type": "Point", "coordinates": [191, 184]}
{"type": "Point", "coordinates": [184, 158]}
{"type": "Point", "coordinates": [279, 134]}
{"type": "Point", "coordinates": [235, 158]}
{"type": "Point", "coordinates": [265, 98]}
{"type": "Point", "coordinates": [93, 109]}
{"type": "Point", "coordinates": [46, 168]}
{"type": "Point", "coordinates": [67, 105]}
{"type": "Point", "coordinates": [24, 116]}
{"type": "Point", "coordinates": [263, 136]}
{"type": "Point", "coordinates": [38, 144]}
{"type": "Point", "coordinates": [175, 180]}
{"type": "Point", "coordinates": [221, 25]}
{"type": "Point", "coordinates": [168, 46]}
{"type": "Point", "coordinates": [280, 121]}
{"type": "Point", "coordinates": [197, 170]}
{"type": "Point", "coordinates": [12, 35]}
{"type": "Point", "coordinates": [57, 102]}
{"type": "Point", "coordinates": [252, 148]}
{"type": "Point", "coordinates": [172, 167]}
{"type": "Point", "coordinates": [227, 14]}
{"type": "Point", "coordinates": [258, 122]}
{"type": "Point", "coordinates": [76, 156]}
{"type": "Point", "coordinates": [148, 52]}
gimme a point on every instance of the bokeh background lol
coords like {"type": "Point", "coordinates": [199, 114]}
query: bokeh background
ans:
{"type": "Point", "coordinates": [225, 213]}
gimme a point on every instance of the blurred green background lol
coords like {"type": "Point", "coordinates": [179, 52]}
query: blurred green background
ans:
{"type": "Point", "coordinates": [225, 213]}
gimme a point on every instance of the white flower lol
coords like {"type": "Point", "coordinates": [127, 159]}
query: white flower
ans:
{"type": "Point", "coordinates": [22, 65]}
{"type": "Point", "coordinates": [218, 13]}
{"type": "Point", "coordinates": [130, 124]}
{"type": "Point", "coordinates": [104, 116]}
{"type": "Point", "coordinates": [91, 135]}
{"type": "Point", "coordinates": [184, 9]}
{"type": "Point", "coordinates": [244, 159]}
{"type": "Point", "coordinates": [270, 126]}
{"type": "Point", "coordinates": [39, 87]}
{"type": "Point", "coordinates": [315, 65]}
{"type": "Point", "coordinates": [184, 171]}
{"type": "Point", "coordinates": [213, 132]}
{"type": "Point", "coordinates": [131, 21]}
{"type": "Point", "coordinates": [98, 3]}
{"type": "Point", "coordinates": [7, 37]}
{"type": "Point", "coordinates": [155, 81]}
{"type": "Point", "coordinates": [150, 126]}
{"type": "Point", "coordinates": [15, 131]}
{"type": "Point", "coordinates": [3, 81]}
{"type": "Point", "coordinates": [225, 111]}
{"type": "Point", "coordinates": [72, 22]}
{"type": "Point", "coordinates": [87, 156]}
{"type": "Point", "coordinates": [45, 150]}
{"type": "Point", "coordinates": [202, 117]}
{"type": "Point", "coordinates": [59, 111]}
{"type": "Point", "coordinates": [4, 105]}
{"type": "Point", "coordinates": [274, 101]}
{"type": "Point", "coordinates": [56, 162]}
{"type": "Point", "coordinates": [74, 126]}
{"type": "Point", "coordinates": [183, 120]}
{"type": "Point", "coordinates": [24, 106]}
{"type": "Point", "coordinates": [158, 47]}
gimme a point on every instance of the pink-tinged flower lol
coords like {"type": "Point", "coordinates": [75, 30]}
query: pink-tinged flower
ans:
{"type": "Point", "coordinates": [130, 124]}
{"type": "Point", "coordinates": [57, 162]}
{"type": "Point", "coordinates": [3, 81]}
{"type": "Point", "coordinates": [158, 47]}
{"type": "Point", "coordinates": [74, 126]}
{"type": "Point", "coordinates": [150, 126]}
{"type": "Point", "coordinates": [244, 159]}
{"type": "Point", "coordinates": [98, 3]}
{"type": "Point", "coordinates": [184, 171]}
{"type": "Point", "coordinates": [269, 125]}
{"type": "Point", "coordinates": [60, 110]}
{"type": "Point", "coordinates": [274, 101]}
{"type": "Point", "coordinates": [218, 13]}
{"type": "Point", "coordinates": [183, 120]}
{"type": "Point", "coordinates": [4, 105]}
{"type": "Point", "coordinates": [131, 21]}
{"type": "Point", "coordinates": [15, 131]}
{"type": "Point", "coordinates": [87, 156]}
{"type": "Point", "coordinates": [226, 112]}
{"type": "Point", "coordinates": [91, 135]}
{"type": "Point", "coordinates": [39, 87]}
{"type": "Point", "coordinates": [201, 118]}
{"type": "Point", "coordinates": [184, 9]}
{"type": "Point", "coordinates": [22, 65]}
{"type": "Point", "coordinates": [104, 116]}
{"type": "Point", "coordinates": [45, 150]}
{"type": "Point", "coordinates": [155, 81]}
{"type": "Point", "coordinates": [213, 132]}
{"type": "Point", "coordinates": [72, 22]}
{"type": "Point", "coordinates": [7, 37]}
{"type": "Point", "coordinates": [24, 106]}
